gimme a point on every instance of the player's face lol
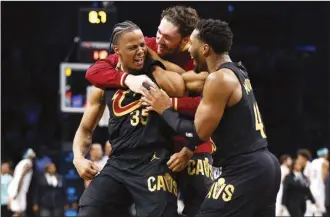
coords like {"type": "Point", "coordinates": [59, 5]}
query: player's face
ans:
{"type": "Point", "coordinates": [168, 38]}
{"type": "Point", "coordinates": [197, 52]}
{"type": "Point", "coordinates": [132, 50]}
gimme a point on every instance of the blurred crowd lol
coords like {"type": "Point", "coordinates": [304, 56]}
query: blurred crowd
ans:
{"type": "Point", "coordinates": [304, 189]}
{"type": "Point", "coordinates": [35, 184]}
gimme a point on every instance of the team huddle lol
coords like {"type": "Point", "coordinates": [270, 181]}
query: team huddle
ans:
{"type": "Point", "coordinates": [178, 105]}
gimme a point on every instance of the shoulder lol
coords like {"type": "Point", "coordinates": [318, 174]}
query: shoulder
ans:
{"type": "Point", "coordinates": [151, 42]}
{"type": "Point", "coordinates": [224, 78]}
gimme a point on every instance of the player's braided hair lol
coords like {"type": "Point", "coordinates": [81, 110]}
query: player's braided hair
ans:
{"type": "Point", "coordinates": [119, 29]}
{"type": "Point", "coordinates": [184, 17]}
{"type": "Point", "coordinates": [216, 33]}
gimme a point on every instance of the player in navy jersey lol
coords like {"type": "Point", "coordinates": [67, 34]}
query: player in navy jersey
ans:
{"type": "Point", "coordinates": [141, 141]}
{"type": "Point", "coordinates": [228, 114]}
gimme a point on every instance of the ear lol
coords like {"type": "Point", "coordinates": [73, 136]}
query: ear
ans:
{"type": "Point", "coordinates": [185, 44]}
{"type": "Point", "coordinates": [116, 49]}
{"type": "Point", "coordinates": [205, 49]}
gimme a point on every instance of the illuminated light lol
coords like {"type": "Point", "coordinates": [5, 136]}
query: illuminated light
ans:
{"type": "Point", "coordinates": [68, 72]}
{"type": "Point", "coordinates": [103, 16]}
{"type": "Point", "coordinates": [93, 17]}
{"type": "Point", "coordinates": [103, 54]}
{"type": "Point", "coordinates": [95, 55]}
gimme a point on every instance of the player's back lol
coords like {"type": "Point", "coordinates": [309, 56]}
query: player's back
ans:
{"type": "Point", "coordinates": [134, 133]}
{"type": "Point", "coordinates": [316, 178]}
{"type": "Point", "coordinates": [241, 129]}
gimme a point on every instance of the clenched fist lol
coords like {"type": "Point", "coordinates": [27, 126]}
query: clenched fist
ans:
{"type": "Point", "coordinates": [86, 168]}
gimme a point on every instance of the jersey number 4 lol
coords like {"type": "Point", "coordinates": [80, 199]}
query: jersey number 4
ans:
{"type": "Point", "coordinates": [139, 116]}
{"type": "Point", "coordinates": [259, 124]}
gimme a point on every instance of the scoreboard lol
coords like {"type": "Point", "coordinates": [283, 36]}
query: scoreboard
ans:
{"type": "Point", "coordinates": [94, 29]}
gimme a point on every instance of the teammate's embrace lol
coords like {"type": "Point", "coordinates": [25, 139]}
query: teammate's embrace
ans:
{"type": "Point", "coordinates": [229, 114]}
{"type": "Point", "coordinates": [141, 141]}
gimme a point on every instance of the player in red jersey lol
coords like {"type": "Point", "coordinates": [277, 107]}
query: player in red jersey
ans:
{"type": "Point", "coordinates": [171, 44]}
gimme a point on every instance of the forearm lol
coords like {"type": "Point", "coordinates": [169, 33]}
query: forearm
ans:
{"type": "Point", "coordinates": [183, 127]}
{"type": "Point", "coordinates": [81, 143]}
{"type": "Point", "coordinates": [103, 75]}
{"type": "Point", "coordinates": [186, 105]}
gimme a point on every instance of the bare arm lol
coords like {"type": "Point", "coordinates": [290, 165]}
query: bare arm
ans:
{"type": "Point", "coordinates": [169, 66]}
{"type": "Point", "coordinates": [213, 103]}
{"type": "Point", "coordinates": [325, 170]}
{"type": "Point", "coordinates": [93, 113]}
{"type": "Point", "coordinates": [171, 82]}
{"type": "Point", "coordinates": [194, 82]}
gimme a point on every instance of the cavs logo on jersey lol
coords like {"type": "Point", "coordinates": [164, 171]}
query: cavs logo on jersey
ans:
{"type": "Point", "coordinates": [125, 102]}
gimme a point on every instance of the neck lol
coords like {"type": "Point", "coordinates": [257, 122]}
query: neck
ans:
{"type": "Point", "coordinates": [215, 61]}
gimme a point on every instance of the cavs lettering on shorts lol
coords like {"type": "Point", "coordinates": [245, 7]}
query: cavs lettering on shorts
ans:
{"type": "Point", "coordinates": [163, 183]}
{"type": "Point", "coordinates": [221, 190]}
{"type": "Point", "coordinates": [200, 167]}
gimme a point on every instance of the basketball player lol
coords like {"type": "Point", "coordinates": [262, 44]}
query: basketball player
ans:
{"type": "Point", "coordinates": [229, 114]}
{"type": "Point", "coordinates": [171, 43]}
{"type": "Point", "coordinates": [96, 156]}
{"type": "Point", "coordinates": [19, 187]}
{"type": "Point", "coordinates": [319, 174]}
{"type": "Point", "coordinates": [141, 142]}
{"type": "Point", "coordinates": [286, 163]}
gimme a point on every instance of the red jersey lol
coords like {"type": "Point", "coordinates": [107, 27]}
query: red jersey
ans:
{"type": "Point", "coordinates": [103, 74]}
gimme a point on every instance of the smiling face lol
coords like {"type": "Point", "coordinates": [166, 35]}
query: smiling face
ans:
{"type": "Point", "coordinates": [198, 49]}
{"type": "Point", "coordinates": [131, 49]}
{"type": "Point", "coordinates": [168, 38]}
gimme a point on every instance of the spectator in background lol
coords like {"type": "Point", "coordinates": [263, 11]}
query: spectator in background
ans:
{"type": "Point", "coordinates": [304, 157]}
{"type": "Point", "coordinates": [50, 197]}
{"type": "Point", "coordinates": [20, 184]}
{"type": "Point", "coordinates": [286, 163]}
{"type": "Point", "coordinates": [42, 160]}
{"type": "Point", "coordinates": [6, 178]}
{"type": "Point", "coordinates": [96, 155]}
{"type": "Point", "coordinates": [320, 170]}
{"type": "Point", "coordinates": [327, 195]}
{"type": "Point", "coordinates": [296, 191]}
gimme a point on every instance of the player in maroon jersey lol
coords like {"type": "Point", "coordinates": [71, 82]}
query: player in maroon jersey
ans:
{"type": "Point", "coordinates": [171, 44]}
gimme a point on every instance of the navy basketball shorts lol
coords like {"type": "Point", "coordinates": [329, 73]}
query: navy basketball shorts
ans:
{"type": "Point", "coordinates": [247, 187]}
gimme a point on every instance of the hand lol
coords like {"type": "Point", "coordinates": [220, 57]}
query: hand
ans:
{"type": "Point", "coordinates": [134, 82]}
{"type": "Point", "coordinates": [155, 99]}
{"type": "Point", "coordinates": [35, 208]}
{"type": "Point", "coordinates": [86, 169]}
{"type": "Point", "coordinates": [66, 206]}
{"type": "Point", "coordinates": [179, 161]}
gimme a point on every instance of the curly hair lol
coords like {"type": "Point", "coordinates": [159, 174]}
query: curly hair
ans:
{"type": "Point", "coordinates": [216, 33]}
{"type": "Point", "coordinates": [184, 17]}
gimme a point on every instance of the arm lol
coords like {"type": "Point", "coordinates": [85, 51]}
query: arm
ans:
{"type": "Point", "coordinates": [93, 113]}
{"type": "Point", "coordinates": [186, 105]}
{"type": "Point", "coordinates": [325, 170]}
{"type": "Point", "coordinates": [206, 119]}
{"type": "Point", "coordinates": [169, 66]}
{"type": "Point", "coordinates": [171, 82]}
{"type": "Point", "coordinates": [83, 138]}
{"type": "Point", "coordinates": [104, 74]}
{"type": "Point", "coordinates": [194, 81]}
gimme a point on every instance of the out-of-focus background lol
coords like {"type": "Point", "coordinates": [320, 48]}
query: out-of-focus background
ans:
{"type": "Point", "coordinates": [46, 48]}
